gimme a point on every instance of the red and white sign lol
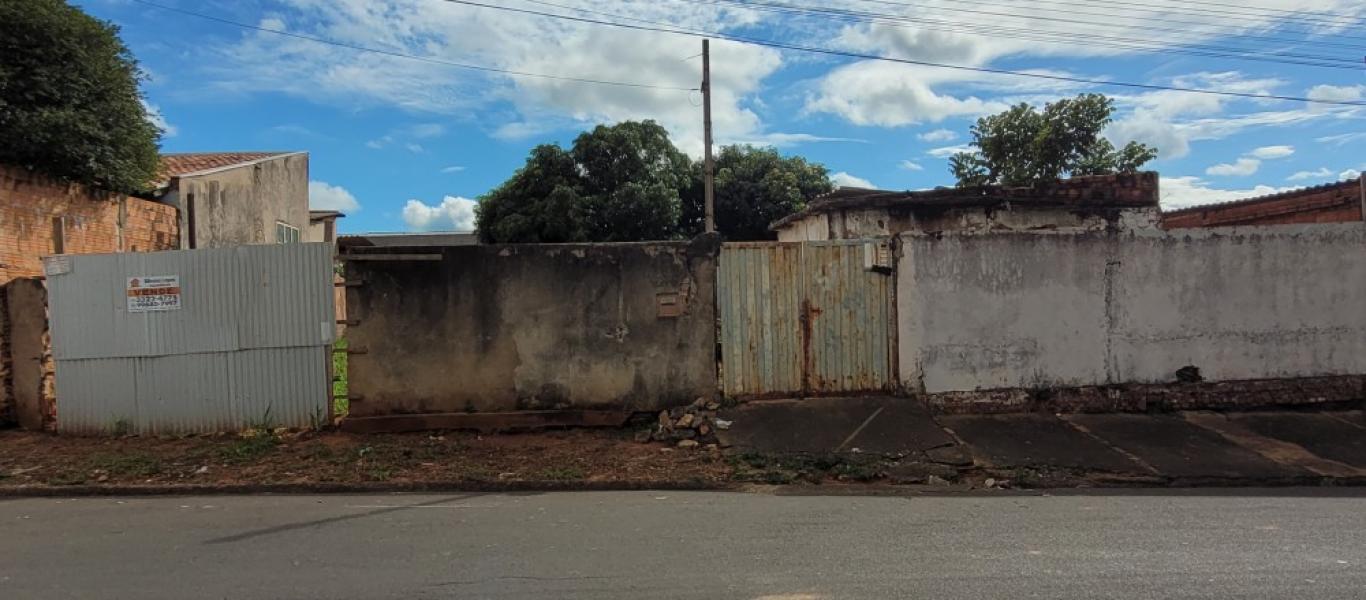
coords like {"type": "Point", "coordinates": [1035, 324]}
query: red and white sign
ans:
{"type": "Point", "coordinates": [153, 293]}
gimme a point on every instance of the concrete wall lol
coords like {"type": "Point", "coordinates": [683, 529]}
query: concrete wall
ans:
{"type": "Point", "coordinates": [240, 205]}
{"type": "Point", "coordinates": [38, 214]}
{"type": "Point", "coordinates": [1029, 311]}
{"type": "Point", "coordinates": [26, 382]}
{"type": "Point", "coordinates": [533, 327]}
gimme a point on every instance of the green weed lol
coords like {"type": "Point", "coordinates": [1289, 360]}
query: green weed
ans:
{"type": "Point", "coordinates": [340, 383]}
{"type": "Point", "coordinates": [248, 449]}
{"type": "Point", "coordinates": [122, 427]}
{"type": "Point", "coordinates": [561, 473]}
{"type": "Point", "coordinates": [127, 465]}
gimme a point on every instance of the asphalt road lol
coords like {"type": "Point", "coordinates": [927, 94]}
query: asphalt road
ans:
{"type": "Point", "coordinates": [1302, 544]}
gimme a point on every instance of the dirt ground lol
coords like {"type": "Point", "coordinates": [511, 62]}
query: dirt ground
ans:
{"type": "Point", "coordinates": [29, 459]}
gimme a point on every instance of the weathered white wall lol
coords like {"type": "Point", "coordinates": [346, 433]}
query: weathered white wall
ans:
{"type": "Point", "coordinates": [240, 206]}
{"type": "Point", "coordinates": [813, 228]}
{"type": "Point", "coordinates": [1021, 310]}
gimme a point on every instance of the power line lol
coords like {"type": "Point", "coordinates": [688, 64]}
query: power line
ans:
{"type": "Point", "coordinates": [1054, 36]}
{"type": "Point", "coordinates": [425, 59]}
{"type": "Point", "coordinates": [1114, 23]}
{"type": "Point", "coordinates": [663, 28]}
{"type": "Point", "coordinates": [1135, 6]}
{"type": "Point", "coordinates": [1298, 15]}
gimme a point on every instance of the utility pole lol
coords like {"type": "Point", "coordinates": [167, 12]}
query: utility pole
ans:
{"type": "Point", "coordinates": [707, 167]}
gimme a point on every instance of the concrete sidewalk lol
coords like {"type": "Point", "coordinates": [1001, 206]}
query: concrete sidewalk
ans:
{"type": "Point", "coordinates": [1194, 448]}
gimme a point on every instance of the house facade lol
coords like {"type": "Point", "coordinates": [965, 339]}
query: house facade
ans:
{"type": "Point", "coordinates": [237, 198]}
{"type": "Point", "coordinates": [1091, 203]}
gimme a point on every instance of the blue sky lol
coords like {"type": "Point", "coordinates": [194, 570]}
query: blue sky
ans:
{"type": "Point", "coordinates": [402, 144]}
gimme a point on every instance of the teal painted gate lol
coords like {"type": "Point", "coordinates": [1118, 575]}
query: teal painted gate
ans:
{"type": "Point", "coordinates": [806, 318]}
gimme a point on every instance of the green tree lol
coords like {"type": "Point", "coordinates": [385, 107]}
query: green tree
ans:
{"type": "Point", "coordinates": [617, 183]}
{"type": "Point", "coordinates": [754, 187]}
{"type": "Point", "coordinates": [1024, 146]}
{"type": "Point", "coordinates": [69, 99]}
{"type": "Point", "coordinates": [627, 182]}
{"type": "Point", "coordinates": [631, 177]}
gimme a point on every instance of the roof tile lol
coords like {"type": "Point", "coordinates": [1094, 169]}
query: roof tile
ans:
{"type": "Point", "coordinates": [175, 165]}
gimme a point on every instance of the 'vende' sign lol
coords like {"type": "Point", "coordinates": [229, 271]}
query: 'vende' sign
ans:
{"type": "Point", "coordinates": [156, 292]}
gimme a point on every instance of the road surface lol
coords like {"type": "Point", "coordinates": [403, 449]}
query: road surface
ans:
{"type": "Point", "coordinates": [1304, 544]}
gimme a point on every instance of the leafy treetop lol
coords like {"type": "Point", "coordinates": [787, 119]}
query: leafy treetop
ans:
{"type": "Point", "coordinates": [1024, 146]}
{"type": "Point", "coordinates": [69, 100]}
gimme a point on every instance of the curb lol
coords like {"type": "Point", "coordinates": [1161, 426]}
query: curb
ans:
{"type": "Point", "coordinates": [487, 487]}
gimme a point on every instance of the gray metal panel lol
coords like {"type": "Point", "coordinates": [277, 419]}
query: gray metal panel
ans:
{"type": "Point", "coordinates": [232, 299]}
{"type": "Point", "coordinates": [283, 386]}
{"type": "Point", "coordinates": [249, 344]}
{"type": "Point", "coordinates": [177, 394]}
{"type": "Point", "coordinates": [193, 393]}
{"type": "Point", "coordinates": [95, 396]}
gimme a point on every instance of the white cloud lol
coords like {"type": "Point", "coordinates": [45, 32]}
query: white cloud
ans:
{"type": "Point", "coordinates": [453, 214]}
{"type": "Point", "coordinates": [155, 117]}
{"type": "Point", "coordinates": [325, 196]}
{"type": "Point", "coordinates": [453, 169]}
{"type": "Point", "coordinates": [1336, 93]}
{"type": "Point", "coordinates": [890, 95]}
{"type": "Point", "coordinates": [843, 179]}
{"type": "Point", "coordinates": [783, 140]}
{"type": "Point", "coordinates": [1180, 192]}
{"type": "Point", "coordinates": [1303, 175]}
{"type": "Point", "coordinates": [509, 106]}
{"type": "Point", "coordinates": [947, 151]}
{"type": "Point", "coordinates": [1170, 120]}
{"type": "Point", "coordinates": [426, 130]}
{"type": "Point", "coordinates": [911, 166]}
{"type": "Point", "coordinates": [938, 135]}
{"type": "Point", "coordinates": [1272, 152]}
{"type": "Point", "coordinates": [1341, 138]}
{"type": "Point", "coordinates": [1243, 166]}
{"type": "Point", "coordinates": [415, 147]}
{"type": "Point", "coordinates": [380, 142]}
{"type": "Point", "coordinates": [1349, 174]}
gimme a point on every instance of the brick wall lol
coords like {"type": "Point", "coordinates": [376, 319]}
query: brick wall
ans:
{"type": "Point", "coordinates": [1332, 203]}
{"type": "Point", "coordinates": [38, 213]}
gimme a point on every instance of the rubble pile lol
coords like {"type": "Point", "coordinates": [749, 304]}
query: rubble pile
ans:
{"type": "Point", "coordinates": [688, 426]}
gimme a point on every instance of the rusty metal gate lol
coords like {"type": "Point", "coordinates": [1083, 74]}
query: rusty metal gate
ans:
{"type": "Point", "coordinates": [806, 318]}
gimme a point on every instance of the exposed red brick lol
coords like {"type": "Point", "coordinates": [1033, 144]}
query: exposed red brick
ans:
{"type": "Point", "coordinates": [91, 220]}
{"type": "Point", "coordinates": [1332, 203]}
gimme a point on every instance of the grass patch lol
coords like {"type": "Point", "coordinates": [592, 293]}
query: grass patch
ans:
{"type": "Point", "coordinates": [127, 465]}
{"type": "Point", "coordinates": [248, 449]}
{"type": "Point", "coordinates": [67, 478]}
{"type": "Point", "coordinates": [561, 473]}
{"type": "Point", "coordinates": [340, 383]}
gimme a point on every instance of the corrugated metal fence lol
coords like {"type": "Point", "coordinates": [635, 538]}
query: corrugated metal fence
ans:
{"type": "Point", "coordinates": [807, 318]}
{"type": "Point", "coordinates": [192, 340]}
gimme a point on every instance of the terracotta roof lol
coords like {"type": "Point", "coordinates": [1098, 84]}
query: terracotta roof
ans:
{"type": "Point", "coordinates": [1137, 190]}
{"type": "Point", "coordinates": [176, 165]}
{"type": "Point", "coordinates": [1305, 191]}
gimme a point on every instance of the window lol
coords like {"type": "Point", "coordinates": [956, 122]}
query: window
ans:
{"type": "Point", "coordinates": [286, 233]}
